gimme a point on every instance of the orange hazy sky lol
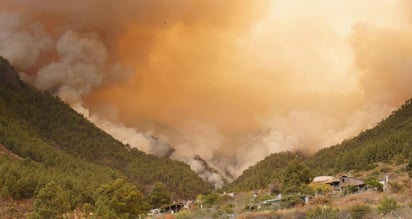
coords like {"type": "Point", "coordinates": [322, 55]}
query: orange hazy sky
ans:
{"type": "Point", "coordinates": [236, 78]}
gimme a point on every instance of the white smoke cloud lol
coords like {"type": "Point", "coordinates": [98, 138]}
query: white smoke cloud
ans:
{"type": "Point", "coordinates": [298, 59]}
{"type": "Point", "coordinates": [204, 169]}
{"type": "Point", "coordinates": [215, 178]}
{"type": "Point", "coordinates": [22, 43]}
{"type": "Point", "coordinates": [304, 131]}
{"type": "Point", "coordinates": [80, 69]}
{"type": "Point", "coordinates": [144, 142]}
{"type": "Point", "coordinates": [202, 140]}
{"type": "Point", "coordinates": [159, 147]}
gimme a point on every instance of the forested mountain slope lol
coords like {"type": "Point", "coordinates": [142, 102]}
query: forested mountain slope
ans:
{"type": "Point", "coordinates": [48, 133]}
{"type": "Point", "coordinates": [263, 172]}
{"type": "Point", "coordinates": [389, 141]}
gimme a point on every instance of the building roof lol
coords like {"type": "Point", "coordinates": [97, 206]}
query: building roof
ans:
{"type": "Point", "coordinates": [349, 181]}
{"type": "Point", "coordinates": [325, 179]}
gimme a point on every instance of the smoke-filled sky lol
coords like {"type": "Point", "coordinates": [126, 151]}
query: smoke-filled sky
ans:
{"type": "Point", "coordinates": [231, 81]}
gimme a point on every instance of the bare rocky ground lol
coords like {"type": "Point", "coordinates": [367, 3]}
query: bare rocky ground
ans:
{"type": "Point", "coordinates": [5, 152]}
{"type": "Point", "coordinates": [15, 209]}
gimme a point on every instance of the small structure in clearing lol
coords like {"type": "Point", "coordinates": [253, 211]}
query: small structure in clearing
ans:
{"type": "Point", "coordinates": [344, 183]}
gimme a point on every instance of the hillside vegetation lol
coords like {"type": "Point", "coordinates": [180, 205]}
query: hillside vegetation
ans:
{"type": "Point", "coordinates": [62, 162]}
{"type": "Point", "coordinates": [262, 173]}
{"type": "Point", "coordinates": [389, 141]}
{"type": "Point", "coordinates": [62, 151]}
{"type": "Point", "coordinates": [384, 150]}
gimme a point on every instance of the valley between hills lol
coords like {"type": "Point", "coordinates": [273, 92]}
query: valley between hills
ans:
{"type": "Point", "coordinates": [56, 164]}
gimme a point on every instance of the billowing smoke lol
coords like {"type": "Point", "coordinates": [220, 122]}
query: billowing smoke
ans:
{"type": "Point", "coordinates": [209, 173]}
{"type": "Point", "coordinates": [79, 70]}
{"type": "Point", "coordinates": [384, 59]}
{"type": "Point", "coordinates": [143, 141]}
{"type": "Point", "coordinates": [299, 131]}
{"type": "Point", "coordinates": [230, 82]}
{"type": "Point", "coordinates": [81, 66]}
{"type": "Point", "coordinates": [21, 42]}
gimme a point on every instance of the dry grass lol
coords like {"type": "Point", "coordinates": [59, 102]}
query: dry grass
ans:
{"type": "Point", "coordinates": [369, 198]}
{"type": "Point", "coordinates": [320, 201]}
{"type": "Point", "coordinates": [283, 214]}
{"type": "Point", "coordinates": [399, 189]}
{"type": "Point", "coordinates": [15, 209]}
{"type": "Point", "coordinates": [259, 215]}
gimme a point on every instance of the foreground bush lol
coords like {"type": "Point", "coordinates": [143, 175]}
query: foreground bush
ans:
{"type": "Point", "coordinates": [387, 205]}
{"type": "Point", "coordinates": [51, 202]}
{"type": "Point", "coordinates": [119, 199]}
{"type": "Point", "coordinates": [359, 211]}
{"type": "Point", "coordinates": [323, 212]}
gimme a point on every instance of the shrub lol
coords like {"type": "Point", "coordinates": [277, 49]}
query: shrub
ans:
{"type": "Point", "coordinates": [185, 214]}
{"type": "Point", "coordinates": [320, 200]}
{"type": "Point", "coordinates": [226, 208]}
{"type": "Point", "coordinates": [290, 201]}
{"type": "Point", "coordinates": [210, 199]}
{"type": "Point", "coordinates": [323, 212]}
{"type": "Point", "coordinates": [372, 182]}
{"type": "Point", "coordinates": [388, 205]}
{"type": "Point", "coordinates": [223, 199]}
{"type": "Point", "coordinates": [321, 188]}
{"type": "Point", "coordinates": [159, 196]}
{"type": "Point", "coordinates": [396, 186]}
{"type": "Point", "coordinates": [119, 199]}
{"type": "Point", "coordinates": [359, 211]}
{"type": "Point", "coordinates": [51, 201]}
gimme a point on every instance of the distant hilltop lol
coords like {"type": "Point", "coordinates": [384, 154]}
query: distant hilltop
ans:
{"type": "Point", "coordinates": [8, 74]}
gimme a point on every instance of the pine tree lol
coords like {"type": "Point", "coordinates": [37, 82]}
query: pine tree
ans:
{"type": "Point", "coordinates": [51, 201]}
{"type": "Point", "coordinates": [119, 199]}
{"type": "Point", "coordinates": [159, 196]}
{"type": "Point", "coordinates": [296, 177]}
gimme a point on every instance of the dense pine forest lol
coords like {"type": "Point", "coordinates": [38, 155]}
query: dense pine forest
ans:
{"type": "Point", "coordinates": [65, 159]}
{"type": "Point", "coordinates": [390, 139]}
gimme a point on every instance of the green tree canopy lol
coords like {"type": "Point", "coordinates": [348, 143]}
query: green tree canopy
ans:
{"type": "Point", "coordinates": [159, 196]}
{"type": "Point", "coordinates": [119, 199]}
{"type": "Point", "coordinates": [210, 199]}
{"type": "Point", "coordinates": [296, 177]}
{"type": "Point", "coordinates": [51, 201]}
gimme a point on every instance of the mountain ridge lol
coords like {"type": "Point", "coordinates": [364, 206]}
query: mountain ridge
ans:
{"type": "Point", "coordinates": [63, 128]}
{"type": "Point", "coordinates": [389, 141]}
{"type": "Point", "coordinates": [8, 74]}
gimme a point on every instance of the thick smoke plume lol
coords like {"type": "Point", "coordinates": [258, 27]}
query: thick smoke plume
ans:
{"type": "Point", "coordinates": [21, 42]}
{"type": "Point", "coordinates": [81, 66]}
{"type": "Point", "coordinates": [79, 70]}
{"type": "Point", "coordinates": [229, 81]}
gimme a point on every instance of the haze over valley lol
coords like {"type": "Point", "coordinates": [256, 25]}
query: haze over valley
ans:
{"type": "Point", "coordinates": [228, 82]}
